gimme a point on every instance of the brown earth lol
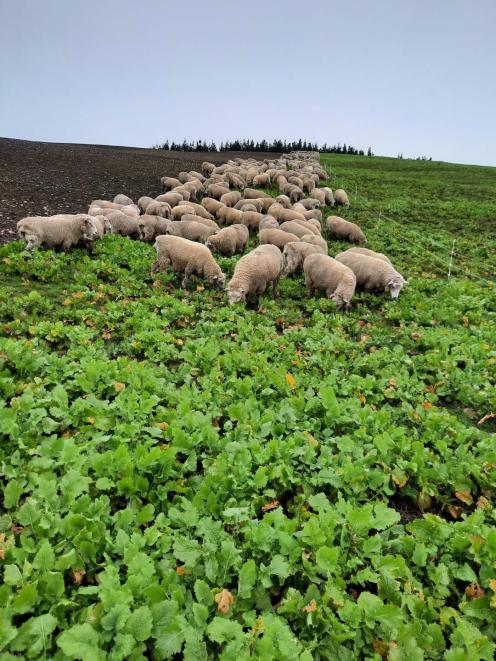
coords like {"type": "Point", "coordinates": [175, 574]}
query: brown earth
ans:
{"type": "Point", "coordinates": [44, 178]}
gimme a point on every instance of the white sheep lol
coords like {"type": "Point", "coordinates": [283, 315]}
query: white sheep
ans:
{"type": "Point", "coordinates": [188, 258]}
{"type": "Point", "coordinates": [62, 231]}
{"type": "Point", "coordinates": [343, 230]}
{"type": "Point", "coordinates": [295, 253]}
{"type": "Point", "coordinates": [229, 240]}
{"type": "Point", "coordinates": [341, 197]}
{"type": "Point", "coordinates": [254, 272]}
{"type": "Point", "coordinates": [373, 274]}
{"type": "Point", "coordinates": [329, 275]}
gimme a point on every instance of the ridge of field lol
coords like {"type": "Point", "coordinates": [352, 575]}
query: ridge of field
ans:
{"type": "Point", "coordinates": [45, 178]}
{"type": "Point", "coordinates": [186, 479]}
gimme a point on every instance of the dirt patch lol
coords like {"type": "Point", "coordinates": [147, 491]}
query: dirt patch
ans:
{"type": "Point", "coordinates": [43, 178]}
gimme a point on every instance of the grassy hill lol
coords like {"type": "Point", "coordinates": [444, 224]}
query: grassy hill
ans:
{"type": "Point", "coordinates": [334, 474]}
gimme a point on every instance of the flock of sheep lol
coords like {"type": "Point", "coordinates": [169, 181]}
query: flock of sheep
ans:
{"type": "Point", "coordinates": [214, 211]}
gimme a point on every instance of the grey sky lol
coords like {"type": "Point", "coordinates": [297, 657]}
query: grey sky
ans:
{"type": "Point", "coordinates": [411, 76]}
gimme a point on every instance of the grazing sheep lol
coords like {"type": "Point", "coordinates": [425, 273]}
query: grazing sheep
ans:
{"type": "Point", "coordinates": [343, 230]}
{"type": "Point", "coordinates": [190, 230]}
{"type": "Point", "coordinates": [173, 198]}
{"type": "Point", "coordinates": [120, 198]}
{"type": "Point", "coordinates": [216, 191]}
{"type": "Point", "coordinates": [261, 180]}
{"type": "Point", "coordinates": [316, 241]}
{"type": "Point", "coordinates": [335, 279]}
{"type": "Point", "coordinates": [184, 192]}
{"type": "Point", "coordinates": [188, 258]}
{"type": "Point", "coordinates": [197, 175]}
{"type": "Point", "coordinates": [235, 180]}
{"type": "Point", "coordinates": [310, 203]}
{"type": "Point", "coordinates": [168, 183]}
{"type": "Point", "coordinates": [370, 253]}
{"type": "Point", "coordinates": [152, 226]}
{"type": "Point", "coordinates": [105, 204]}
{"type": "Point", "coordinates": [211, 205]}
{"type": "Point", "coordinates": [200, 210]}
{"type": "Point", "coordinates": [256, 202]}
{"type": "Point", "coordinates": [373, 274]}
{"type": "Point", "coordinates": [144, 201]}
{"type": "Point", "coordinates": [311, 226]}
{"type": "Point", "coordinates": [229, 216]}
{"type": "Point", "coordinates": [99, 222]}
{"type": "Point", "coordinates": [268, 222]}
{"type": "Point", "coordinates": [254, 272]}
{"type": "Point", "coordinates": [182, 209]}
{"type": "Point", "coordinates": [284, 201]}
{"type": "Point", "coordinates": [208, 222]}
{"type": "Point", "coordinates": [207, 168]}
{"type": "Point", "coordinates": [296, 181]}
{"type": "Point", "coordinates": [341, 197]}
{"type": "Point", "coordinates": [263, 203]}
{"type": "Point", "coordinates": [118, 223]}
{"type": "Point", "coordinates": [319, 195]}
{"type": "Point", "coordinates": [131, 210]}
{"type": "Point", "coordinates": [62, 231]}
{"type": "Point", "coordinates": [228, 241]}
{"type": "Point", "coordinates": [329, 197]}
{"type": "Point", "coordinates": [296, 228]}
{"type": "Point", "coordinates": [294, 255]}
{"type": "Point", "coordinates": [289, 214]}
{"type": "Point", "coordinates": [230, 199]}
{"type": "Point", "coordinates": [161, 209]}
{"type": "Point", "coordinates": [313, 213]}
{"type": "Point", "coordinates": [251, 219]}
{"type": "Point", "coordinates": [253, 194]}
{"type": "Point", "coordinates": [277, 237]}
{"type": "Point", "coordinates": [248, 207]}
{"type": "Point", "coordinates": [184, 177]}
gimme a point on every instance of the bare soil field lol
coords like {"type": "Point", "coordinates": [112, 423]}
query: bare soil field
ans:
{"type": "Point", "coordinates": [42, 178]}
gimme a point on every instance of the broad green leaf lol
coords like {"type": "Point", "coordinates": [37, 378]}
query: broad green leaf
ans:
{"type": "Point", "coordinates": [247, 579]}
{"type": "Point", "coordinates": [221, 630]}
{"type": "Point", "coordinates": [140, 623]}
{"type": "Point", "coordinates": [80, 642]}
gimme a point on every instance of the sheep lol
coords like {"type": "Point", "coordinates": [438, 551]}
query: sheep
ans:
{"type": "Point", "coordinates": [263, 203]}
{"type": "Point", "coordinates": [289, 214]}
{"type": "Point", "coordinates": [211, 205]}
{"type": "Point", "coordinates": [262, 180]}
{"type": "Point", "coordinates": [275, 210]}
{"type": "Point", "coordinates": [186, 195]}
{"type": "Point", "coordinates": [216, 191]}
{"type": "Point", "coordinates": [188, 258]}
{"type": "Point", "coordinates": [190, 230]}
{"type": "Point", "coordinates": [256, 202]}
{"type": "Point", "coordinates": [294, 255]}
{"type": "Point", "coordinates": [159, 209]}
{"type": "Point", "coordinates": [207, 168]}
{"type": "Point", "coordinates": [268, 222]}
{"type": "Point", "coordinates": [310, 203]}
{"type": "Point", "coordinates": [329, 197]}
{"type": "Point", "coordinates": [341, 229]}
{"type": "Point", "coordinates": [152, 226]}
{"type": "Point", "coordinates": [99, 222]}
{"type": "Point", "coordinates": [62, 231]}
{"type": "Point", "coordinates": [313, 213]}
{"type": "Point", "coordinates": [122, 199]}
{"type": "Point", "coordinates": [318, 194]}
{"type": "Point", "coordinates": [310, 226]}
{"type": "Point", "coordinates": [254, 272]}
{"type": "Point", "coordinates": [372, 273]}
{"type": "Point", "coordinates": [327, 274]}
{"type": "Point", "coordinates": [229, 216]}
{"type": "Point", "coordinates": [168, 183]}
{"type": "Point", "coordinates": [182, 209]}
{"type": "Point", "coordinates": [194, 188]}
{"type": "Point", "coordinates": [296, 228]}
{"type": "Point", "coordinates": [143, 202]}
{"type": "Point", "coordinates": [197, 175]}
{"type": "Point", "coordinates": [118, 223]}
{"type": "Point", "coordinates": [184, 177]}
{"type": "Point", "coordinates": [315, 241]}
{"type": "Point", "coordinates": [200, 210]}
{"type": "Point", "coordinates": [105, 204]}
{"type": "Point", "coordinates": [208, 222]}
{"type": "Point", "coordinates": [251, 193]}
{"type": "Point", "coordinates": [234, 180]}
{"type": "Point", "coordinates": [248, 207]}
{"type": "Point", "coordinates": [230, 199]}
{"type": "Point", "coordinates": [276, 237]}
{"type": "Point", "coordinates": [284, 201]}
{"type": "Point", "coordinates": [229, 240]}
{"type": "Point", "coordinates": [296, 181]}
{"type": "Point", "coordinates": [308, 184]}
{"type": "Point", "coordinates": [370, 253]}
{"type": "Point", "coordinates": [173, 198]}
{"type": "Point", "coordinates": [341, 197]}
{"type": "Point", "coordinates": [251, 219]}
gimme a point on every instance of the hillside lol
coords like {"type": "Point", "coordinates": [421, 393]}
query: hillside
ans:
{"type": "Point", "coordinates": [184, 477]}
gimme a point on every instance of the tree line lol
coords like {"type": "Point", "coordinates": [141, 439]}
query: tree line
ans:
{"type": "Point", "coordinates": [279, 146]}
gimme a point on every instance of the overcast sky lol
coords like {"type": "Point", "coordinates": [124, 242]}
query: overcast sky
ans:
{"type": "Point", "coordinates": [411, 76]}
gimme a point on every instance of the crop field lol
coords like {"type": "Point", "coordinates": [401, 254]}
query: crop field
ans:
{"type": "Point", "coordinates": [182, 478]}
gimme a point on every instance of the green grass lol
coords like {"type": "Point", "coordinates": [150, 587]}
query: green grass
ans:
{"type": "Point", "coordinates": [334, 473]}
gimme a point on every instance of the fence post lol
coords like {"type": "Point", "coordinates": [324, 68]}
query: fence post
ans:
{"type": "Point", "coordinates": [451, 258]}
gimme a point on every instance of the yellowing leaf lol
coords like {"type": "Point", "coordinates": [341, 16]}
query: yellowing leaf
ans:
{"type": "Point", "coordinates": [465, 497]}
{"type": "Point", "coordinates": [290, 380]}
{"type": "Point", "coordinates": [224, 601]}
{"type": "Point", "coordinates": [311, 607]}
{"type": "Point", "coordinates": [466, 321]}
{"type": "Point", "coordinates": [181, 571]}
{"type": "Point", "coordinates": [426, 406]}
{"type": "Point", "coordinates": [90, 420]}
{"type": "Point", "coordinates": [312, 440]}
{"type": "Point", "coordinates": [483, 502]}
{"type": "Point", "coordinates": [67, 301]}
{"type": "Point", "coordinates": [270, 506]}
{"type": "Point", "coordinates": [474, 591]}
{"type": "Point", "coordinates": [78, 294]}
{"type": "Point", "coordinates": [487, 417]}
{"type": "Point", "coordinates": [119, 387]}
{"type": "Point", "coordinates": [161, 425]}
